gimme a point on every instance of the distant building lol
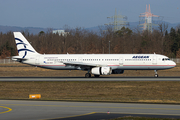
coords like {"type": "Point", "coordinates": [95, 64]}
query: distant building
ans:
{"type": "Point", "coordinates": [60, 32]}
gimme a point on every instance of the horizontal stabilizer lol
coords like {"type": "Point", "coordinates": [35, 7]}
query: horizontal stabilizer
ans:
{"type": "Point", "coordinates": [18, 58]}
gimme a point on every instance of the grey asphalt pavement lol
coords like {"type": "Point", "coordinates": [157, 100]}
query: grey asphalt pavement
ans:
{"type": "Point", "coordinates": [35, 110]}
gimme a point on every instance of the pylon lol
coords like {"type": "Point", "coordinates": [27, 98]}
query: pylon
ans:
{"type": "Point", "coordinates": [147, 25]}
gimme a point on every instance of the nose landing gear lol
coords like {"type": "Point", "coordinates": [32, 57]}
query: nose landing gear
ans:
{"type": "Point", "coordinates": [156, 74]}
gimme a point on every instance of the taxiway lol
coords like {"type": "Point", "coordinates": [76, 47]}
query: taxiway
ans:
{"type": "Point", "coordinates": [33, 110]}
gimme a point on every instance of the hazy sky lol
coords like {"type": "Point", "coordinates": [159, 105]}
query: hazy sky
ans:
{"type": "Point", "coordinates": [80, 13]}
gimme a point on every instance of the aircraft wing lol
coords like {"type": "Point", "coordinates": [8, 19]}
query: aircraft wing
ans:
{"type": "Point", "coordinates": [81, 64]}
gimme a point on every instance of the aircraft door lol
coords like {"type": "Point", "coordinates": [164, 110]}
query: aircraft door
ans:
{"type": "Point", "coordinates": [80, 59]}
{"type": "Point", "coordinates": [154, 60]}
{"type": "Point", "coordinates": [121, 61]}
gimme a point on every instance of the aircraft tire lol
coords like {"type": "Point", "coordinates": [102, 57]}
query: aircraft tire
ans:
{"type": "Point", "coordinates": [156, 75]}
{"type": "Point", "coordinates": [87, 75]}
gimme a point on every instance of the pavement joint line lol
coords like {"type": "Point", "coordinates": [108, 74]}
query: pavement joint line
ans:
{"type": "Point", "coordinates": [71, 116]}
{"type": "Point", "coordinates": [9, 109]}
{"type": "Point", "coordinates": [92, 107]}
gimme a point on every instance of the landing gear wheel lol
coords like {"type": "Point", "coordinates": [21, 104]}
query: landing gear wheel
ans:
{"type": "Point", "coordinates": [156, 75]}
{"type": "Point", "coordinates": [96, 76]}
{"type": "Point", "coordinates": [87, 75]}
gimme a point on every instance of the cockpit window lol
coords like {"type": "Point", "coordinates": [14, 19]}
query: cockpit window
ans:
{"type": "Point", "coordinates": [165, 59]}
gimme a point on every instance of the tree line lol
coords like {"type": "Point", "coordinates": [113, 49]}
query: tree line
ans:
{"type": "Point", "coordinates": [82, 41]}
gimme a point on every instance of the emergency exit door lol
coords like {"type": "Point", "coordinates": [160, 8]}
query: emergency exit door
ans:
{"type": "Point", "coordinates": [121, 61]}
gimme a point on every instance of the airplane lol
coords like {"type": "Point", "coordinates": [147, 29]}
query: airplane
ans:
{"type": "Point", "coordinates": [96, 64]}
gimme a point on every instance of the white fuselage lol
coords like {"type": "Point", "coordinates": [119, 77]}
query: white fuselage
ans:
{"type": "Point", "coordinates": [115, 61]}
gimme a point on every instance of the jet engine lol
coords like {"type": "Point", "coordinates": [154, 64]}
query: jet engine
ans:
{"type": "Point", "coordinates": [101, 70]}
{"type": "Point", "coordinates": [117, 71]}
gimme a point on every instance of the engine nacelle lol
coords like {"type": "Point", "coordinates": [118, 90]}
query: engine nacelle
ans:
{"type": "Point", "coordinates": [117, 71]}
{"type": "Point", "coordinates": [101, 70]}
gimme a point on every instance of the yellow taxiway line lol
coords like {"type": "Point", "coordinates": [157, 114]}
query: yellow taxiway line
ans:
{"type": "Point", "coordinates": [9, 109]}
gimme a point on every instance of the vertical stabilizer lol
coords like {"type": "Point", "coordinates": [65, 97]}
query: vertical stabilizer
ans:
{"type": "Point", "coordinates": [23, 46]}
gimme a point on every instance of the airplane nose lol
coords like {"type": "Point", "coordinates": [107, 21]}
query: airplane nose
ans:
{"type": "Point", "coordinates": [173, 63]}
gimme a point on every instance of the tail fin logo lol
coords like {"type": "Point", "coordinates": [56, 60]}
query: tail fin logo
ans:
{"type": "Point", "coordinates": [23, 49]}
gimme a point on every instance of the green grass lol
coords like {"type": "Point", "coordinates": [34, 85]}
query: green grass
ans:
{"type": "Point", "coordinates": [109, 91]}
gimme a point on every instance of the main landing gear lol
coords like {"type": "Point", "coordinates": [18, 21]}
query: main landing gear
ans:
{"type": "Point", "coordinates": [87, 75]}
{"type": "Point", "coordinates": [156, 74]}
